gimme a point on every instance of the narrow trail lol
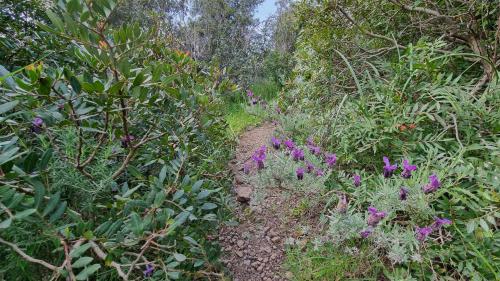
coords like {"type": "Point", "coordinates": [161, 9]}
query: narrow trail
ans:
{"type": "Point", "coordinates": [254, 249]}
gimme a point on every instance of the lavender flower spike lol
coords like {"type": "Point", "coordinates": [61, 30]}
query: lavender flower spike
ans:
{"type": "Point", "coordinates": [407, 169]}
{"type": "Point", "coordinates": [439, 222]}
{"type": "Point", "coordinates": [319, 173]}
{"type": "Point", "coordinates": [357, 180]}
{"type": "Point", "coordinates": [331, 159]}
{"type": "Point", "coordinates": [38, 122]}
{"type": "Point", "coordinates": [289, 144]}
{"type": "Point", "coordinates": [300, 173]}
{"type": "Point", "coordinates": [276, 142]}
{"type": "Point", "coordinates": [367, 232]}
{"type": "Point", "coordinates": [149, 271]}
{"type": "Point", "coordinates": [403, 193]}
{"type": "Point", "coordinates": [423, 232]}
{"type": "Point", "coordinates": [375, 216]}
{"type": "Point", "coordinates": [259, 156]}
{"type": "Point", "coordinates": [388, 168]}
{"type": "Point", "coordinates": [37, 125]}
{"type": "Point", "coordinates": [298, 154]}
{"type": "Point", "coordinates": [433, 184]}
{"type": "Point", "coordinates": [309, 167]}
{"type": "Point", "coordinates": [316, 150]}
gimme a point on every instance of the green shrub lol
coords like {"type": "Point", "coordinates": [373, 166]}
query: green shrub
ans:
{"type": "Point", "coordinates": [109, 166]}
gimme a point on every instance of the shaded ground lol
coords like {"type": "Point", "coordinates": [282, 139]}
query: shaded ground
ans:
{"type": "Point", "coordinates": [254, 249]}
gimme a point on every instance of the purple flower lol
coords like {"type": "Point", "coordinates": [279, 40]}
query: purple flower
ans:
{"type": "Point", "coordinates": [246, 169]}
{"type": "Point", "coordinates": [316, 150]}
{"type": "Point", "coordinates": [357, 180]}
{"type": "Point", "coordinates": [319, 173]}
{"type": "Point", "coordinates": [149, 270]}
{"type": "Point", "coordinates": [433, 184]}
{"type": "Point", "coordinates": [249, 93]}
{"type": "Point", "coordinates": [259, 156]}
{"type": "Point", "coordinates": [300, 173]}
{"type": "Point", "coordinates": [38, 122]}
{"type": "Point", "coordinates": [403, 193]}
{"type": "Point", "coordinates": [298, 154]}
{"type": "Point", "coordinates": [367, 232]}
{"type": "Point", "coordinates": [309, 141]}
{"type": "Point", "coordinates": [126, 140]}
{"type": "Point", "coordinates": [407, 169]}
{"type": "Point", "coordinates": [439, 222]}
{"type": "Point", "coordinates": [388, 168]}
{"type": "Point", "coordinates": [276, 142]}
{"type": "Point", "coordinates": [375, 216]}
{"type": "Point", "coordinates": [254, 101]}
{"type": "Point", "coordinates": [423, 232]}
{"type": "Point", "coordinates": [342, 204]}
{"type": "Point", "coordinates": [309, 167]}
{"type": "Point", "coordinates": [331, 159]}
{"type": "Point", "coordinates": [37, 125]}
{"type": "Point", "coordinates": [289, 144]}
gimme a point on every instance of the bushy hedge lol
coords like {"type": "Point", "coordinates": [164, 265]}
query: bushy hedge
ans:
{"type": "Point", "coordinates": [110, 164]}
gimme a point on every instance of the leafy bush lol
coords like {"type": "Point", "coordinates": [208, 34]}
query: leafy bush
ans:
{"type": "Point", "coordinates": [111, 161]}
{"type": "Point", "coordinates": [409, 109]}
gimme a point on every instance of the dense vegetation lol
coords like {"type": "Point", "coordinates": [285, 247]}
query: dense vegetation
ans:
{"type": "Point", "coordinates": [117, 120]}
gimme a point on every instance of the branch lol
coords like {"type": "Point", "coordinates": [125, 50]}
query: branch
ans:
{"type": "Point", "coordinates": [102, 255]}
{"type": "Point", "coordinates": [369, 33]}
{"type": "Point", "coordinates": [29, 258]}
{"type": "Point", "coordinates": [419, 9]}
{"type": "Point", "coordinates": [132, 152]}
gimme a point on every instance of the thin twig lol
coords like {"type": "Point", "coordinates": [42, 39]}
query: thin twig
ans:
{"type": "Point", "coordinates": [28, 257]}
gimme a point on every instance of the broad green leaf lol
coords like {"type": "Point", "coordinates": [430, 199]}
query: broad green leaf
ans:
{"type": "Point", "coordinates": [179, 257]}
{"type": "Point", "coordinates": [87, 272]}
{"type": "Point", "coordinates": [208, 206]}
{"type": "Point", "coordinates": [24, 214]}
{"type": "Point", "coordinates": [59, 212]}
{"type": "Point", "coordinates": [39, 193]}
{"type": "Point", "coordinates": [6, 223]}
{"type": "Point", "coordinates": [51, 205]}
{"type": "Point", "coordinates": [8, 106]}
{"type": "Point", "coordinates": [81, 262]}
{"type": "Point", "coordinates": [77, 252]}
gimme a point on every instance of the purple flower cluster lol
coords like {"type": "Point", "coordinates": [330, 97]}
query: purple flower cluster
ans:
{"type": "Point", "coordinates": [403, 193]}
{"type": "Point", "coordinates": [423, 232]}
{"type": "Point", "coordinates": [313, 148]}
{"type": "Point", "coordinates": [375, 216]}
{"type": "Point", "coordinates": [388, 168]}
{"type": "Point", "coordinates": [290, 145]}
{"type": "Point", "coordinates": [259, 156]}
{"type": "Point", "coordinates": [300, 173]}
{"type": "Point", "coordinates": [276, 142]}
{"type": "Point", "coordinates": [407, 169]}
{"type": "Point", "coordinates": [309, 167]}
{"type": "Point", "coordinates": [357, 180]}
{"type": "Point", "coordinates": [298, 154]}
{"type": "Point", "coordinates": [331, 159]}
{"type": "Point", "coordinates": [149, 271]}
{"type": "Point", "coordinates": [37, 125]}
{"type": "Point", "coordinates": [367, 232]}
{"type": "Point", "coordinates": [433, 184]}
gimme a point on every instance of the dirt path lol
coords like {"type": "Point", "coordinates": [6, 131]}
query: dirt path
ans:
{"type": "Point", "coordinates": [254, 250]}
